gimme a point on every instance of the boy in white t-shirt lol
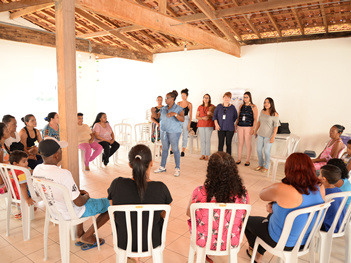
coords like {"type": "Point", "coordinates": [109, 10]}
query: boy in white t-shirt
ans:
{"type": "Point", "coordinates": [84, 206]}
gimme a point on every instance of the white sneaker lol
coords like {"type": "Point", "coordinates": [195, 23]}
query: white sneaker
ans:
{"type": "Point", "coordinates": [160, 170]}
{"type": "Point", "coordinates": [177, 172]}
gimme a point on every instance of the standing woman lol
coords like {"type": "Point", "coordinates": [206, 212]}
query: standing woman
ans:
{"type": "Point", "coordinates": [224, 117]}
{"type": "Point", "coordinates": [205, 125]}
{"type": "Point", "coordinates": [14, 141]}
{"type": "Point", "coordinates": [29, 135]}
{"type": "Point", "coordinates": [156, 122]}
{"type": "Point", "coordinates": [171, 116]}
{"type": "Point", "coordinates": [245, 126]}
{"type": "Point", "coordinates": [267, 128]}
{"type": "Point", "coordinates": [52, 128]}
{"type": "Point", "coordinates": [104, 136]}
{"type": "Point", "coordinates": [86, 142]}
{"type": "Point", "coordinates": [188, 114]}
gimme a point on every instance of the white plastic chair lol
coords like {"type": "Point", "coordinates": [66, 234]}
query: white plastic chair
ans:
{"type": "Point", "coordinates": [191, 141]}
{"type": "Point", "coordinates": [290, 147]}
{"type": "Point", "coordinates": [123, 135]}
{"type": "Point", "coordinates": [156, 253]}
{"type": "Point", "coordinates": [26, 211]}
{"type": "Point", "coordinates": [292, 256]}
{"type": "Point", "coordinates": [230, 252]}
{"type": "Point", "coordinates": [157, 143]}
{"type": "Point", "coordinates": [325, 239]}
{"type": "Point", "coordinates": [129, 121]}
{"type": "Point", "coordinates": [143, 134]}
{"type": "Point", "coordinates": [148, 115]}
{"type": "Point", "coordinates": [53, 215]}
{"type": "Point", "coordinates": [97, 161]}
{"type": "Point", "coordinates": [7, 197]}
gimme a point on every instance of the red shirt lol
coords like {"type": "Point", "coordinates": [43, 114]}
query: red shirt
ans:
{"type": "Point", "coordinates": [203, 112]}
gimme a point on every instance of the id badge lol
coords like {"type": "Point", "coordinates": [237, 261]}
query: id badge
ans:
{"type": "Point", "coordinates": [223, 117]}
{"type": "Point", "coordinates": [244, 118]}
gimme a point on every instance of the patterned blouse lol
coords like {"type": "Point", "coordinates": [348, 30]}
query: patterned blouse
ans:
{"type": "Point", "coordinates": [48, 131]}
{"type": "Point", "coordinates": [199, 196]}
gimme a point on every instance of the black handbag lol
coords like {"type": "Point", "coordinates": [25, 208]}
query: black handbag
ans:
{"type": "Point", "coordinates": [284, 128]}
{"type": "Point", "coordinates": [193, 125]}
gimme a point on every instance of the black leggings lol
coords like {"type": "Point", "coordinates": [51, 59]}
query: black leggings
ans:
{"type": "Point", "coordinates": [109, 150]}
{"type": "Point", "coordinates": [228, 135]}
{"type": "Point", "coordinates": [257, 226]}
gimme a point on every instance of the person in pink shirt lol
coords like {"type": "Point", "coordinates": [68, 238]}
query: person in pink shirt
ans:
{"type": "Point", "coordinates": [104, 135]}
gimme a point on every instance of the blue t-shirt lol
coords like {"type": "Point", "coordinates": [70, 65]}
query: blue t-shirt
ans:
{"type": "Point", "coordinates": [172, 124]}
{"type": "Point", "coordinates": [230, 113]}
{"type": "Point", "coordinates": [48, 131]}
{"type": "Point", "coordinates": [345, 188]}
{"type": "Point", "coordinates": [277, 220]}
{"type": "Point", "coordinates": [333, 209]}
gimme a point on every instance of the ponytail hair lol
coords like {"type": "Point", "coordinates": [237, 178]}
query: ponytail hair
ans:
{"type": "Point", "coordinates": [50, 116]}
{"type": "Point", "coordinates": [26, 118]}
{"type": "Point", "coordinates": [173, 94]}
{"type": "Point", "coordinates": [139, 159]}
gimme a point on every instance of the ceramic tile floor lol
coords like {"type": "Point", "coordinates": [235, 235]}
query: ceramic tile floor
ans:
{"type": "Point", "coordinates": [96, 182]}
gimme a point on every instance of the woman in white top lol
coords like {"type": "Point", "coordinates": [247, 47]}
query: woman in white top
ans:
{"type": "Point", "coordinates": [14, 141]}
{"type": "Point", "coordinates": [104, 136]}
{"type": "Point", "coordinates": [86, 142]}
{"type": "Point", "coordinates": [267, 128]}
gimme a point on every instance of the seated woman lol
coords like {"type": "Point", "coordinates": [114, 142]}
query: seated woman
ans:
{"type": "Point", "coordinates": [4, 153]}
{"type": "Point", "coordinates": [29, 135]}
{"type": "Point", "coordinates": [86, 142]}
{"type": "Point", "coordinates": [52, 129]}
{"type": "Point", "coordinates": [139, 189]}
{"type": "Point", "coordinates": [299, 189]}
{"type": "Point", "coordinates": [332, 149]}
{"type": "Point", "coordinates": [14, 141]}
{"type": "Point", "coordinates": [104, 136]}
{"type": "Point", "coordinates": [222, 185]}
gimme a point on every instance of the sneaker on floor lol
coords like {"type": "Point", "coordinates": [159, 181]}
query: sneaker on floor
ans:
{"type": "Point", "coordinates": [182, 154]}
{"type": "Point", "coordinates": [177, 172]}
{"type": "Point", "coordinates": [160, 170]}
{"type": "Point", "coordinates": [170, 152]}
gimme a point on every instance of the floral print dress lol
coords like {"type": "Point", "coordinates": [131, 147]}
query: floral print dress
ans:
{"type": "Point", "coordinates": [199, 196]}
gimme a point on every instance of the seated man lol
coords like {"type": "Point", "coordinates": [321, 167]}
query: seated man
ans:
{"type": "Point", "coordinates": [84, 206]}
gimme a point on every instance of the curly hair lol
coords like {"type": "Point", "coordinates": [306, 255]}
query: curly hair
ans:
{"type": "Point", "coordinates": [222, 179]}
{"type": "Point", "coordinates": [340, 163]}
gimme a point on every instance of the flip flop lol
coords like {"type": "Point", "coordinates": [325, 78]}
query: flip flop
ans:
{"type": "Point", "coordinates": [89, 246]}
{"type": "Point", "coordinates": [249, 254]}
{"type": "Point", "coordinates": [79, 244]}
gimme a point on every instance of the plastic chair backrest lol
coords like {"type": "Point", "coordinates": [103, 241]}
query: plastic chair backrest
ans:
{"type": "Point", "coordinates": [5, 170]}
{"type": "Point", "coordinates": [127, 209]}
{"type": "Point", "coordinates": [143, 132]}
{"type": "Point", "coordinates": [130, 121]}
{"type": "Point", "coordinates": [347, 216]}
{"type": "Point", "coordinates": [43, 187]}
{"type": "Point", "coordinates": [123, 132]}
{"type": "Point", "coordinates": [148, 115]}
{"type": "Point", "coordinates": [319, 210]}
{"type": "Point", "coordinates": [222, 207]}
{"type": "Point", "coordinates": [342, 151]}
{"type": "Point", "coordinates": [292, 144]}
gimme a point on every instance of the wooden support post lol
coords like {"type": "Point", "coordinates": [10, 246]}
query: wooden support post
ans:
{"type": "Point", "coordinates": [67, 86]}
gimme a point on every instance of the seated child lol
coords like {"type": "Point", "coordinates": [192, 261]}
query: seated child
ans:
{"type": "Point", "coordinates": [346, 157]}
{"type": "Point", "coordinates": [329, 175]}
{"type": "Point", "coordinates": [344, 184]}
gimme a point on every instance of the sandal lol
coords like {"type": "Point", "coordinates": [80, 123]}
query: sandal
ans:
{"type": "Point", "coordinates": [249, 253]}
{"type": "Point", "coordinates": [18, 216]}
{"type": "Point", "coordinates": [208, 259]}
{"type": "Point", "coordinates": [90, 246]}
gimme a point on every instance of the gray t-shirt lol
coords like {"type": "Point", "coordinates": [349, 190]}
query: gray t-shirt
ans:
{"type": "Point", "coordinates": [267, 125]}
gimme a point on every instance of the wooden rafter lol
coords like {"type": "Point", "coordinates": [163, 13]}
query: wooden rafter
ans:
{"type": "Point", "coordinates": [162, 6]}
{"type": "Point", "coordinates": [114, 33]}
{"type": "Point", "coordinates": [298, 20]}
{"type": "Point", "coordinates": [211, 15]}
{"type": "Point", "coordinates": [169, 39]}
{"type": "Point", "coordinates": [30, 10]}
{"type": "Point", "coordinates": [325, 22]}
{"type": "Point", "coordinates": [42, 38]}
{"type": "Point", "coordinates": [231, 27]}
{"type": "Point", "coordinates": [177, 49]}
{"type": "Point", "coordinates": [272, 19]}
{"type": "Point", "coordinates": [22, 4]}
{"type": "Point", "coordinates": [145, 34]}
{"type": "Point", "coordinates": [254, 29]}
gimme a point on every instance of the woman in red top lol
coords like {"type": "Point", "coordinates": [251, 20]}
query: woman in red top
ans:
{"type": "Point", "coordinates": [206, 125]}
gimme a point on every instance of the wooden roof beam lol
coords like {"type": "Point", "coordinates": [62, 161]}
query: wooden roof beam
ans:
{"type": "Point", "coordinates": [152, 20]}
{"type": "Point", "coordinates": [211, 15]}
{"type": "Point", "coordinates": [273, 22]}
{"type": "Point", "coordinates": [162, 6]}
{"type": "Point", "coordinates": [23, 4]}
{"type": "Point", "coordinates": [178, 49]}
{"type": "Point", "coordinates": [254, 29]}
{"type": "Point", "coordinates": [298, 20]}
{"type": "Point", "coordinates": [245, 9]}
{"type": "Point", "coordinates": [325, 22]}
{"type": "Point", "coordinates": [30, 10]}
{"type": "Point", "coordinates": [232, 28]}
{"type": "Point", "coordinates": [42, 38]}
{"type": "Point", "coordinates": [107, 28]}
{"type": "Point", "coordinates": [145, 34]}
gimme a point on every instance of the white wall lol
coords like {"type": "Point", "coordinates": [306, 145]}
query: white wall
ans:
{"type": "Point", "coordinates": [309, 82]}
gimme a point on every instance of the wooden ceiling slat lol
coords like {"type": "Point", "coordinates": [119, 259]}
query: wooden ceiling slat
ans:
{"type": "Point", "coordinates": [30, 10]}
{"type": "Point", "coordinates": [298, 21]}
{"type": "Point", "coordinates": [144, 33]}
{"type": "Point", "coordinates": [325, 22]}
{"type": "Point", "coordinates": [22, 4]}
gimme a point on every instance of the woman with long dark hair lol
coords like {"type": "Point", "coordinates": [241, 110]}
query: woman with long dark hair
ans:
{"type": "Point", "coordinates": [139, 189]}
{"type": "Point", "coordinates": [223, 184]}
{"type": "Point", "coordinates": [300, 188]}
{"type": "Point", "coordinates": [14, 141]}
{"type": "Point", "coordinates": [188, 114]}
{"type": "Point", "coordinates": [267, 128]}
{"type": "Point", "coordinates": [205, 125]}
{"type": "Point", "coordinates": [104, 135]}
{"type": "Point", "coordinates": [52, 129]}
{"type": "Point", "coordinates": [245, 126]}
{"type": "Point", "coordinates": [171, 117]}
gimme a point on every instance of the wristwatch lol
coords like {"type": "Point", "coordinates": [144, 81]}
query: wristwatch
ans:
{"type": "Point", "coordinates": [176, 115]}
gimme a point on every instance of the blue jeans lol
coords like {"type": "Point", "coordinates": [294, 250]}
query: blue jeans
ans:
{"type": "Point", "coordinates": [185, 131]}
{"type": "Point", "coordinates": [205, 137]}
{"type": "Point", "coordinates": [263, 144]}
{"type": "Point", "coordinates": [173, 140]}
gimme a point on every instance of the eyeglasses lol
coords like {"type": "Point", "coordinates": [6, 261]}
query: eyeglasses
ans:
{"type": "Point", "coordinates": [168, 98]}
{"type": "Point", "coordinates": [246, 97]}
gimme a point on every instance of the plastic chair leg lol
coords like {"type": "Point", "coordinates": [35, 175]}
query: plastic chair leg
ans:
{"type": "Point", "coordinates": [312, 250]}
{"type": "Point", "coordinates": [8, 214]}
{"type": "Point", "coordinates": [325, 248]}
{"type": "Point", "coordinates": [73, 233]}
{"type": "Point", "coordinates": [64, 241]}
{"type": "Point", "coordinates": [121, 256]}
{"type": "Point", "coordinates": [46, 234]}
{"type": "Point", "coordinates": [200, 255]}
{"type": "Point", "coordinates": [96, 232]}
{"type": "Point", "coordinates": [274, 172]}
{"type": "Point", "coordinates": [191, 255]}
{"type": "Point", "coordinates": [348, 243]}
{"type": "Point", "coordinates": [254, 251]}
{"type": "Point", "coordinates": [25, 211]}
{"type": "Point", "coordinates": [269, 167]}
{"type": "Point", "coordinates": [157, 255]}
